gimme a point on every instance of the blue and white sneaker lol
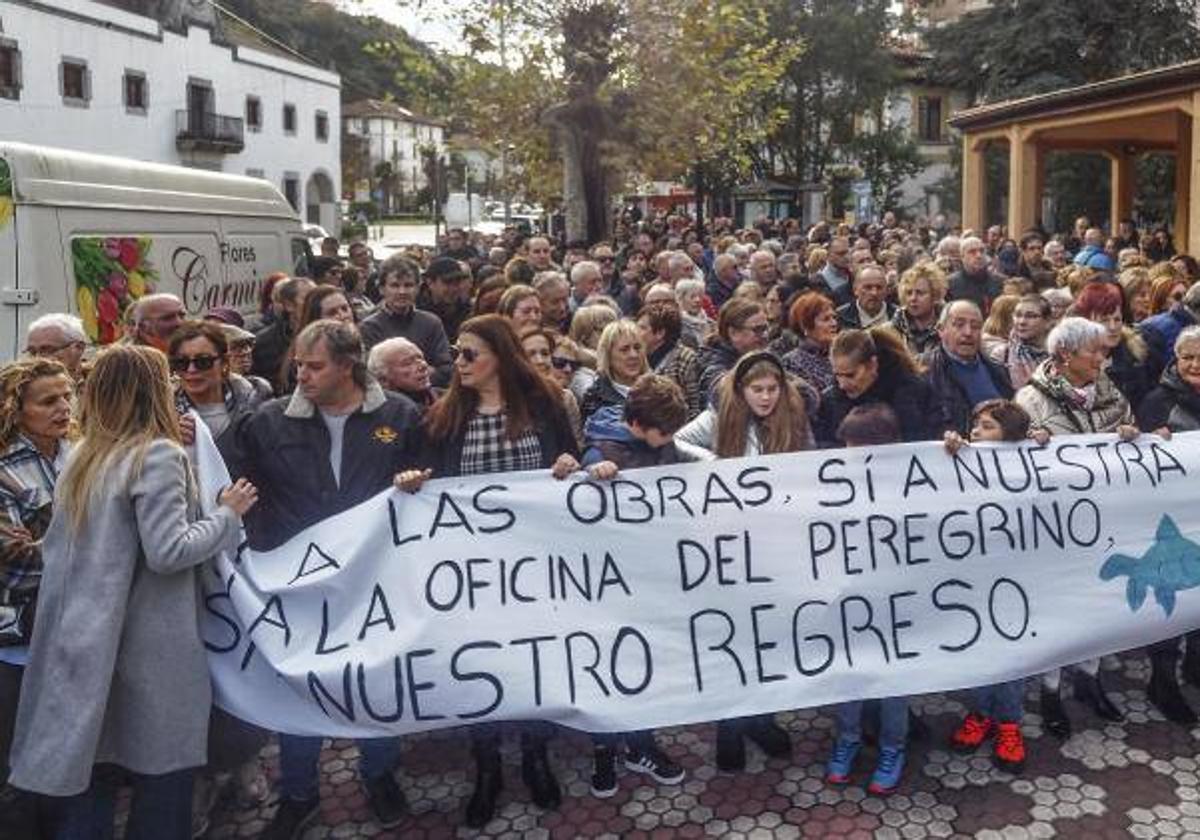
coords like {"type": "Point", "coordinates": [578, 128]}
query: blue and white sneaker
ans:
{"type": "Point", "coordinates": [886, 777]}
{"type": "Point", "coordinates": [841, 761]}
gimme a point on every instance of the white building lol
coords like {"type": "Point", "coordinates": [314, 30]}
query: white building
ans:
{"type": "Point", "coordinates": [392, 134]}
{"type": "Point", "coordinates": [191, 85]}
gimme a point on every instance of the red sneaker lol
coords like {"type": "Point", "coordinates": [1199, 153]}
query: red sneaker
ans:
{"type": "Point", "coordinates": [974, 731]}
{"type": "Point", "coordinates": [1009, 751]}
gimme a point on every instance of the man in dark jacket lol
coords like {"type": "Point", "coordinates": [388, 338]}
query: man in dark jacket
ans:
{"type": "Point", "coordinates": [336, 442]}
{"type": "Point", "coordinates": [958, 375]}
{"type": "Point", "coordinates": [398, 316]}
{"type": "Point", "coordinates": [975, 281]}
{"type": "Point", "coordinates": [447, 294]}
{"type": "Point", "coordinates": [271, 344]}
{"type": "Point", "coordinates": [870, 305]}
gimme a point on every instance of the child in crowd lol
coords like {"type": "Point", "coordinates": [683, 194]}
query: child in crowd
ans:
{"type": "Point", "coordinates": [874, 424]}
{"type": "Point", "coordinates": [997, 709]}
{"type": "Point", "coordinates": [638, 434]}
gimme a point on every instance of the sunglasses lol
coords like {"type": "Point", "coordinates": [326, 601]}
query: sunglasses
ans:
{"type": "Point", "coordinates": [467, 354]}
{"type": "Point", "coordinates": [561, 363]}
{"type": "Point", "coordinates": [179, 364]}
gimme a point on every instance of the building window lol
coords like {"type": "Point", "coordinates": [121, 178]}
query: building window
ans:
{"type": "Point", "coordinates": [10, 69]}
{"type": "Point", "coordinates": [253, 113]}
{"type": "Point", "coordinates": [366, 126]}
{"type": "Point", "coordinates": [136, 95]}
{"type": "Point", "coordinates": [929, 119]}
{"type": "Point", "coordinates": [74, 82]}
{"type": "Point", "coordinates": [322, 126]}
{"type": "Point", "coordinates": [289, 119]}
{"type": "Point", "coordinates": [291, 190]}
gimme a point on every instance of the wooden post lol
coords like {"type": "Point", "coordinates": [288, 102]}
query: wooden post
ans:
{"type": "Point", "coordinates": [1023, 198]}
{"type": "Point", "coordinates": [1183, 178]}
{"type": "Point", "coordinates": [974, 198]}
{"type": "Point", "coordinates": [1121, 187]}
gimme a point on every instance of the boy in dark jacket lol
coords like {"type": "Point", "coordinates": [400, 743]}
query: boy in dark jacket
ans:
{"type": "Point", "coordinates": [638, 437]}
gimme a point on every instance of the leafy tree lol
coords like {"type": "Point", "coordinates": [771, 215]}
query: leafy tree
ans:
{"type": "Point", "coordinates": [1017, 48]}
{"type": "Point", "coordinates": [888, 157]}
{"type": "Point", "coordinates": [376, 60]}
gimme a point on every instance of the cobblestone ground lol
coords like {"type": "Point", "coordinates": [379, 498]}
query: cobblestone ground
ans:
{"type": "Point", "coordinates": [1138, 779]}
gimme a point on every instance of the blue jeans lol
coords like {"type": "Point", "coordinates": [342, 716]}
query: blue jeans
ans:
{"type": "Point", "coordinates": [893, 721]}
{"type": "Point", "coordinates": [161, 808]}
{"type": "Point", "coordinates": [1003, 701]}
{"type": "Point", "coordinates": [298, 756]}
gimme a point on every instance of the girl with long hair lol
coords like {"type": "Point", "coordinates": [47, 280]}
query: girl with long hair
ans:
{"type": "Point", "coordinates": [117, 672]}
{"type": "Point", "coordinates": [761, 412]}
{"type": "Point", "coordinates": [499, 414]}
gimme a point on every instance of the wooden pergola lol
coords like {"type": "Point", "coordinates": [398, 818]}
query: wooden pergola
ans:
{"type": "Point", "coordinates": [1153, 111]}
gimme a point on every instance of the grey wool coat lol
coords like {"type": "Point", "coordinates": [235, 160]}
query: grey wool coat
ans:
{"type": "Point", "coordinates": [117, 672]}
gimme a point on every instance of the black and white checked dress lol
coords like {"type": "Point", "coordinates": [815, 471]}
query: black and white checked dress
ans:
{"type": "Point", "coordinates": [487, 449]}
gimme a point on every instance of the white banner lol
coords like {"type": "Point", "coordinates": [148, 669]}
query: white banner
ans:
{"type": "Point", "coordinates": [703, 591]}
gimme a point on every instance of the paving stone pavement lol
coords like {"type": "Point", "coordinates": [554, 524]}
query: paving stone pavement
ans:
{"type": "Point", "coordinates": [1139, 778]}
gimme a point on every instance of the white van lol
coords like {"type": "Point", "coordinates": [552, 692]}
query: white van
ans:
{"type": "Point", "coordinates": [90, 234]}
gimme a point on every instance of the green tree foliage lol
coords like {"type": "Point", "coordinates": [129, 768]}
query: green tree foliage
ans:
{"type": "Point", "coordinates": [1020, 47]}
{"type": "Point", "coordinates": [1017, 48]}
{"type": "Point", "coordinates": [376, 60]}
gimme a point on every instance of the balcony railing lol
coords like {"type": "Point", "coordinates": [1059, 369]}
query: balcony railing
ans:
{"type": "Point", "coordinates": [197, 131]}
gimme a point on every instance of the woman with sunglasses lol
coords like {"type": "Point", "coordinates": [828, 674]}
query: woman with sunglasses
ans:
{"type": "Point", "coordinates": [198, 353]}
{"type": "Point", "coordinates": [538, 343]}
{"type": "Point", "coordinates": [742, 328]}
{"type": "Point", "coordinates": [498, 415]}
{"type": "Point", "coordinates": [568, 368]}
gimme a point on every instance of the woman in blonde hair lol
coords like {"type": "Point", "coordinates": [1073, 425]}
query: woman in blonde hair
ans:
{"type": "Point", "coordinates": [117, 672]}
{"type": "Point", "coordinates": [761, 412]}
{"type": "Point", "coordinates": [35, 423]}
{"type": "Point", "coordinates": [620, 360]}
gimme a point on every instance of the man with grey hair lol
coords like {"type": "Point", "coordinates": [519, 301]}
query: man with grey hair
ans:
{"type": "Point", "coordinates": [1092, 254]}
{"type": "Point", "coordinates": [400, 366]}
{"type": "Point", "coordinates": [1055, 254]}
{"type": "Point", "coordinates": [336, 442]}
{"type": "Point", "coordinates": [554, 294]}
{"type": "Point", "coordinates": [725, 279]}
{"type": "Point", "coordinates": [153, 318]}
{"type": "Point", "coordinates": [762, 269]}
{"type": "Point", "coordinates": [58, 336]}
{"type": "Point", "coordinates": [586, 280]}
{"type": "Point", "coordinates": [838, 277]}
{"type": "Point", "coordinates": [948, 254]}
{"type": "Point", "coordinates": [975, 281]}
{"type": "Point", "coordinates": [958, 374]}
{"type": "Point", "coordinates": [681, 267]}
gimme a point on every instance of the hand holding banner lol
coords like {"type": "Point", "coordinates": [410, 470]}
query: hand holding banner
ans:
{"type": "Point", "coordinates": [702, 591]}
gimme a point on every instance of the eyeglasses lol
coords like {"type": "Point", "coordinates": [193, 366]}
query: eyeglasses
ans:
{"type": "Point", "coordinates": [563, 363]}
{"type": "Point", "coordinates": [758, 329]}
{"type": "Point", "coordinates": [50, 349]}
{"type": "Point", "coordinates": [180, 364]}
{"type": "Point", "coordinates": [467, 354]}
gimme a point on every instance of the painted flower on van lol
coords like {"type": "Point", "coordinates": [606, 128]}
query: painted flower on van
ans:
{"type": "Point", "coordinates": [110, 274]}
{"type": "Point", "coordinates": [6, 191]}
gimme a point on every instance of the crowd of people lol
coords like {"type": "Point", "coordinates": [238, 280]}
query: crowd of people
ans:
{"type": "Point", "coordinates": [513, 353]}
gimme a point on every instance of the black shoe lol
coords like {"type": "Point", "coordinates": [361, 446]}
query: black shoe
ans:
{"type": "Point", "coordinates": [489, 781]}
{"type": "Point", "coordinates": [771, 738]}
{"type": "Point", "coordinates": [731, 749]}
{"type": "Point", "coordinates": [604, 773]}
{"type": "Point", "coordinates": [539, 778]}
{"type": "Point", "coordinates": [386, 800]}
{"type": "Point", "coordinates": [291, 818]}
{"type": "Point", "coordinates": [1164, 692]}
{"type": "Point", "coordinates": [655, 763]}
{"type": "Point", "coordinates": [918, 729]}
{"type": "Point", "coordinates": [1054, 716]}
{"type": "Point", "coordinates": [1191, 661]}
{"type": "Point", "coordinates": [1090, 690]}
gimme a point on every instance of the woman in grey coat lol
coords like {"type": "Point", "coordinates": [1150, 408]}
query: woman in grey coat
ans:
{"type": "Point", "coordinates": [117, 672]}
